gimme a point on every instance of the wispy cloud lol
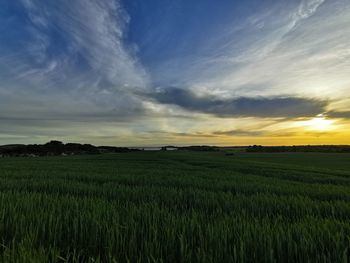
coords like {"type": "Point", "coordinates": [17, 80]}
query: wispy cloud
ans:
{"type": "Point", "coordinates": [273, 52]}
{"type": "Point", "coordinates": [306, 9]}
{"type": "Point", "coordinates": [238, 133]}
{"type": "Point", "coordinates": [72, 61]}
{"type": "Point", "coordinates": [90, 44]}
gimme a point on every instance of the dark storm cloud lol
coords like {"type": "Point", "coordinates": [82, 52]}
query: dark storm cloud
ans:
{"type": "Point", "coordinates": [291, 107]}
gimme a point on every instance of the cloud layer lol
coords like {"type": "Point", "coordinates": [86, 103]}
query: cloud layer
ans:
{"type": "Point", "coordinates": [107, 69]}
{"type": "Point", "coordinates": [291, 107]}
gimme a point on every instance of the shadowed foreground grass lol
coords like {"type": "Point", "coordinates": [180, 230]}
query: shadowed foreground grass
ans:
{"type": "Point", "coordinates": [176, 207]}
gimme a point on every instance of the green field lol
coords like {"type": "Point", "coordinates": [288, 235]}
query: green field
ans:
{"type": "Point", "coordinates": [176, 207]}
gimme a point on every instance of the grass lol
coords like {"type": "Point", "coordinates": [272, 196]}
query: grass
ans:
{"type": "Point", "coordinates": [176, 207]}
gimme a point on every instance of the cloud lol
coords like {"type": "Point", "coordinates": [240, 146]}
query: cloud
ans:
{"type": "Point", "coordinates": [290, 107]}
{"type": "Point", "coordinates": [273, 134]}
{"type": "Point", "coordinates": [69, 62]}
{"type": "Point", "coordinates": [339, 114]}
{"type": "Point", "coordinates": [307, 8]}
{"type": "Point", "coordinates": [182, 134]}
{"type": "Point", "coordinates": [66, 63]}
{"type": "Point", "coordinates": [238, 133]}
{"type": "Point", "coordinates": [69, 55]}
{"type": "Point", "coordinates": [219, 62]}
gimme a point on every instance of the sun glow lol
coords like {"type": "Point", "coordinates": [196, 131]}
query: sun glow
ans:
{"type": "Point", "coordinates": [320, 123]}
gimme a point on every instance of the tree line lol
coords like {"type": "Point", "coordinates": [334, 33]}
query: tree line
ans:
{"type": "Point", "coordinates": [54, 148]}
{"type": "Point", "coordinates": [300, 148]}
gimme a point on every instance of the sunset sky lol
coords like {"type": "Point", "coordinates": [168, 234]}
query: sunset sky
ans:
{"type": "Point", "coordinates": [156, 72]}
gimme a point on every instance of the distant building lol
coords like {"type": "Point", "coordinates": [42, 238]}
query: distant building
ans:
{"type": "Point", "coordinates": [169, 148]}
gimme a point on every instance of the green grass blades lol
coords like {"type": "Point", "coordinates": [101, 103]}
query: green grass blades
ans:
{"type": "Point", "coordinates": [176, 207]}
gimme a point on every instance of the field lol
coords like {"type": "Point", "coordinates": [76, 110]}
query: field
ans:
{"type": "Point", "coordinates": [176, 207]}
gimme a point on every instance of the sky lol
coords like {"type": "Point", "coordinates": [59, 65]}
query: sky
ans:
{"type": "Point", "coordinates": [175, 72]}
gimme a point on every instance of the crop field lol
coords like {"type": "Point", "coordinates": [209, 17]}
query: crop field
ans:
{"type": "Point", "coordinates": [176, 207]}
